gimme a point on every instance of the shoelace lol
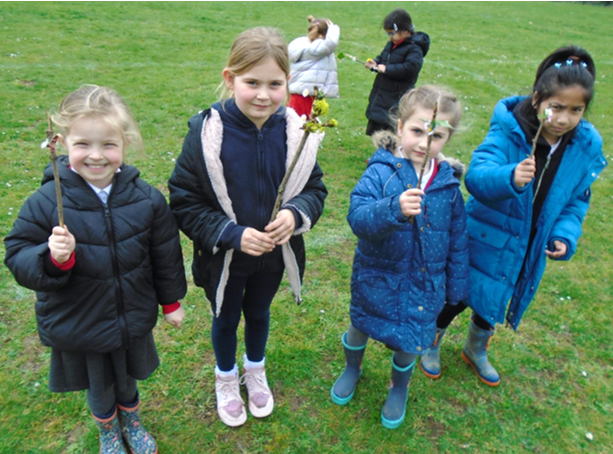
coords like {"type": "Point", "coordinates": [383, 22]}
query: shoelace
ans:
{"type": "Point", "coordinates": [256, 382]}
{"type": "Point", "coordinates": [229, 392]}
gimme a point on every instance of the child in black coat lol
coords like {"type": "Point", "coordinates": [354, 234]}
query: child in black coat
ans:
{"type": "Point", "coordinates": [397, 69]}
{"type": "Point", "coordinates": [100, 277]}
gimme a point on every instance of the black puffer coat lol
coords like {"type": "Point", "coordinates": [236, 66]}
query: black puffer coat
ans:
{"type": "Point", "coordinates": [127, 261]}
{"type": "Point", "coordinates": [402, 66]}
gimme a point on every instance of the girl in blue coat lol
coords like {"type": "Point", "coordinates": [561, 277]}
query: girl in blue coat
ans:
{"type": "Point", "coordinates": [412, 252]}
{"type": "Point", "coordinates": [523, 207]}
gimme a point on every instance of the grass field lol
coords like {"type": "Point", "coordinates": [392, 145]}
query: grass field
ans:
{"type": "Point", "coordinates": [166, 60]}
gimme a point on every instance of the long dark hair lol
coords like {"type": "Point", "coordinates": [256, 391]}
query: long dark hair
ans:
{"type": "Point", "coordinates": [563, 68]}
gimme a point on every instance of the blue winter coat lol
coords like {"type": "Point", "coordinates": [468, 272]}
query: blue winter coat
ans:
{"type": "Point", "coordinates": [499, 214]}
{"type": "Point", "coordinates": [404, 272]}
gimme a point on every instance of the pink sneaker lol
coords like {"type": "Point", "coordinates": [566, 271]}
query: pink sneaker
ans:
{"type": "Point", "coordinates": [230, 405]}
{"type": "Point", "coordinates": [261, 401]}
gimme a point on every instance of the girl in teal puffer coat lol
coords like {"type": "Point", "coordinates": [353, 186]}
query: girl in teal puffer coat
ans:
{"type": "Point", "coordinates": [412, 252]}
{"type": "Point", "coordinates": [525, 206]}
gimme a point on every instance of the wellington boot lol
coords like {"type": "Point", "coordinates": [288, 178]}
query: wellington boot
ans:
{"type": "Point", "coordinates": [394, 410]}
{"type": "Point", "coordinates": [431, 359]}
{"type": "Point", "coordinates": [475, 354]}
{"type": "Point", "coordinates": [344, 387]}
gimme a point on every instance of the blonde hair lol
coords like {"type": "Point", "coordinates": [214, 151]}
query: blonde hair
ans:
{"type": "Point", "coordinates": [317, 26]}
{"type": "Point", "coordinates": [426, 96]}
{"type": "Point", "coordinates": [252, 47]}
{"type": "Point", "coordinates": [92, 100]}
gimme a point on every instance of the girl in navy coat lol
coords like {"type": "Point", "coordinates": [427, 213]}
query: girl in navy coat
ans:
{"type": "Point", "coordinates": [100, 278]}
{"type": "Point", "coordinates": [223, 191]}
{"type": "Point", "coordinates": [412, 252]}
{"type": "Point", "coordinates": [525, 208]}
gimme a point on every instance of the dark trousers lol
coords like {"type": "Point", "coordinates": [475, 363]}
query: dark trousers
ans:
{"type": "Point", "coordinates": [102, 404]}
{"type": "Point", "coordinates": [252, 296]}
{"type": "Point", "coordinates": [450, 312]}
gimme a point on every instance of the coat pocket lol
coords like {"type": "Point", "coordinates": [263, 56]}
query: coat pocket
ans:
{"type": "Point", "coordinates": [376, 293]}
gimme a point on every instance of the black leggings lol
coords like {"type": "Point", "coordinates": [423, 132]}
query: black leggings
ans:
{"type": "Point", "coordinates": [450, 312]}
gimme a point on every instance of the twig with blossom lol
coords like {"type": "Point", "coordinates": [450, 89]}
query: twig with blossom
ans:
{"type": "Point", "coordinates": [342, 55]}
{"type": "Point", "coordinates": [50, 142]}
{"type": "Point", "coordinates": [545, 117]}
{"type": "Point", "coordinates": [312, 125]}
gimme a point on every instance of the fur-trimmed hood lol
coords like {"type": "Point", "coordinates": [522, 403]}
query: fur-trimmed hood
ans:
{"type": "Point", "coordinates": [390, 142]}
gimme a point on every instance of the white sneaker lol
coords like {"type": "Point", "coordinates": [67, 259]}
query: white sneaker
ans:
{"type": "Point", "coordinates": [230, 405]}
{"type": "Point", "coordinates": [261, 401]}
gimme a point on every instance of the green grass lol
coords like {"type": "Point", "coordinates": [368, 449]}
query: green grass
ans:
{"type": "Point", "coordinates": [166, 60]}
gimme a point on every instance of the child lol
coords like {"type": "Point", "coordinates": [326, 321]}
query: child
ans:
{"type": "Point", "coordinates": [223, 191]}
{"type": "Point", "coordinates": [100, 277]}
{"type": "Point", "coordinates": [397, 69]}
{"type": "Point", "coordinates": [412, 251]}
{"type": "Point", "coordinates": [312, 63]}
{"type": "Point", "coordinates": [523, 209]}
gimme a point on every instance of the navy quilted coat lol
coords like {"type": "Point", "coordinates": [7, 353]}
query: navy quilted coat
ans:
{"type": "Point", "coordinates": [404, 272]}
{"type": "Point", "coordinates": [500, 214]}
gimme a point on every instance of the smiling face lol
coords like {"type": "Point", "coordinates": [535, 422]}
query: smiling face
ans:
{"type": "Point", "coordinates": [95, 149]}
{"type": "Point", "coordinates": [413, 134]}
{"type": "Point", "coordinates": [260, 91]}
{"type": "Point", "coordinates": [567, 109]}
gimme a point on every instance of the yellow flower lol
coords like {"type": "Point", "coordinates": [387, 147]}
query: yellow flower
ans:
{"type": "Point", "coordinates": [320, 108]}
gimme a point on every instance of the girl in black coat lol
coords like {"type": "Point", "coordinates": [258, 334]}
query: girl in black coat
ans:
{"type": "Point", "coordinates": [397, 69]}
{"type": "Point", "coordinates": [100, 277]}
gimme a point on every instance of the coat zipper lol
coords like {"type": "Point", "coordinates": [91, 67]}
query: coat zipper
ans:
{"type": "Point", "coordinates": [125, 339]}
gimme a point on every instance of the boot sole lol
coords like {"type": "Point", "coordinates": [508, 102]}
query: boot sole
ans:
{"type": "Point", "coordinates": [341, 400]}
{"type": "Point", "coordinates": [429, 374]}
{"type": "Point", "coordinates": [392, 424]}
{"type": "Point", "coordinates": [470, 363]}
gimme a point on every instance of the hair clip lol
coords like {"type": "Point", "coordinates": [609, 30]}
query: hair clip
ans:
{"type": "Point", "coordinates": [557, 65]}
{"type": "Point", "coordinates": [584, 64]}
{"type": "Point", "coordinates": [395, 27]}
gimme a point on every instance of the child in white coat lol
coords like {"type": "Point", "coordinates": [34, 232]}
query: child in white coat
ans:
{"type": "Point", "coordinates": [312, 64]}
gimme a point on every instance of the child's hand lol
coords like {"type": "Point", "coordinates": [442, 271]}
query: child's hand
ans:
{"type": "Point", "coordinates": [61, 244]}
{"type": "Point", "coordinates": [282, 228]}
{"type": "Point", "coordinates": [524, 172]}
{"type": "Point", "coordinates": [176, 318]}
{"type": "Point", "coordinates": [560, 251]}
{"type": "Point", "coordinates": [370, 63]}
{"type": "Point", "coordinates": [410, 202]}
{"type": "Point", "coordinates": [381, 69]}
{"type": "Point", "coordinates": [256, 243]}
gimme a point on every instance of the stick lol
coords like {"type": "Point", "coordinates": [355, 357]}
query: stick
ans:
{"type": "Point", "coordinates": [283, 184]}
{"type": "Point", "coordinates": [431, 128]}
{"type": "Point", "coordinates": [50, 142]}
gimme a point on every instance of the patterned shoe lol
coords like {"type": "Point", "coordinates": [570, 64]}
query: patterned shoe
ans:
{"type": "Point", "coordinates": [230, 405]}
{"type": "Point", "coordinates": [110, 435]}
{"type": "Point", "coordinates": [261, 401]}
{"type": "Point", "coordinates": [138, 439]}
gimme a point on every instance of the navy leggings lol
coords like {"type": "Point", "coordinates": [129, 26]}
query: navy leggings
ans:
{"type": "Point", "coordinates": [252, 296]}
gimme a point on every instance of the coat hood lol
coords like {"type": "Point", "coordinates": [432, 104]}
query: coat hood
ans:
{"type": "Point", "coordinates": [422, 40]}
{"type": "Point", "coordinates": [390, 142]}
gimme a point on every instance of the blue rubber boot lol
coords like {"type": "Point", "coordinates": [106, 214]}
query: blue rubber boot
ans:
{"type": "Point", "coordinates": [475, 354]}
{"type": "Point", "coordinates": [394, 409]}
{"type": "Point", "coordinates": [431, 359]}
{"type": "Point", "coordinates": [344, 387]}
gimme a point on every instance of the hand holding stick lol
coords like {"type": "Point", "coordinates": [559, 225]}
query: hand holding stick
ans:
{"type": "Point", "coordinates": [50, 143]}
{"type": "Point", "coordinates": [342, 55]}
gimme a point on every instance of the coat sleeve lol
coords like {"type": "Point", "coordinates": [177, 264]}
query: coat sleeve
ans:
{"type": "Point", "coordinates": [490, 173]}
{"type": "Point", "coordinates": [321, 47]}
{"type": "Point", "coordinates": [373, 216]}
{"type": "Point", "coordinates": [166, 255]}
{"type": "Point", "coordinates": [192, 199]}
{"type": "Point", "coordinates": [310, 202]}
{"type": "Point", "coordinates": [409, 67]}
{"type": "Point", "coordinates": [296, 48]}
{"type": "Point", "coordinates": [27, 253]}
{"type": "Point", "coordinates": [457, 269]}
